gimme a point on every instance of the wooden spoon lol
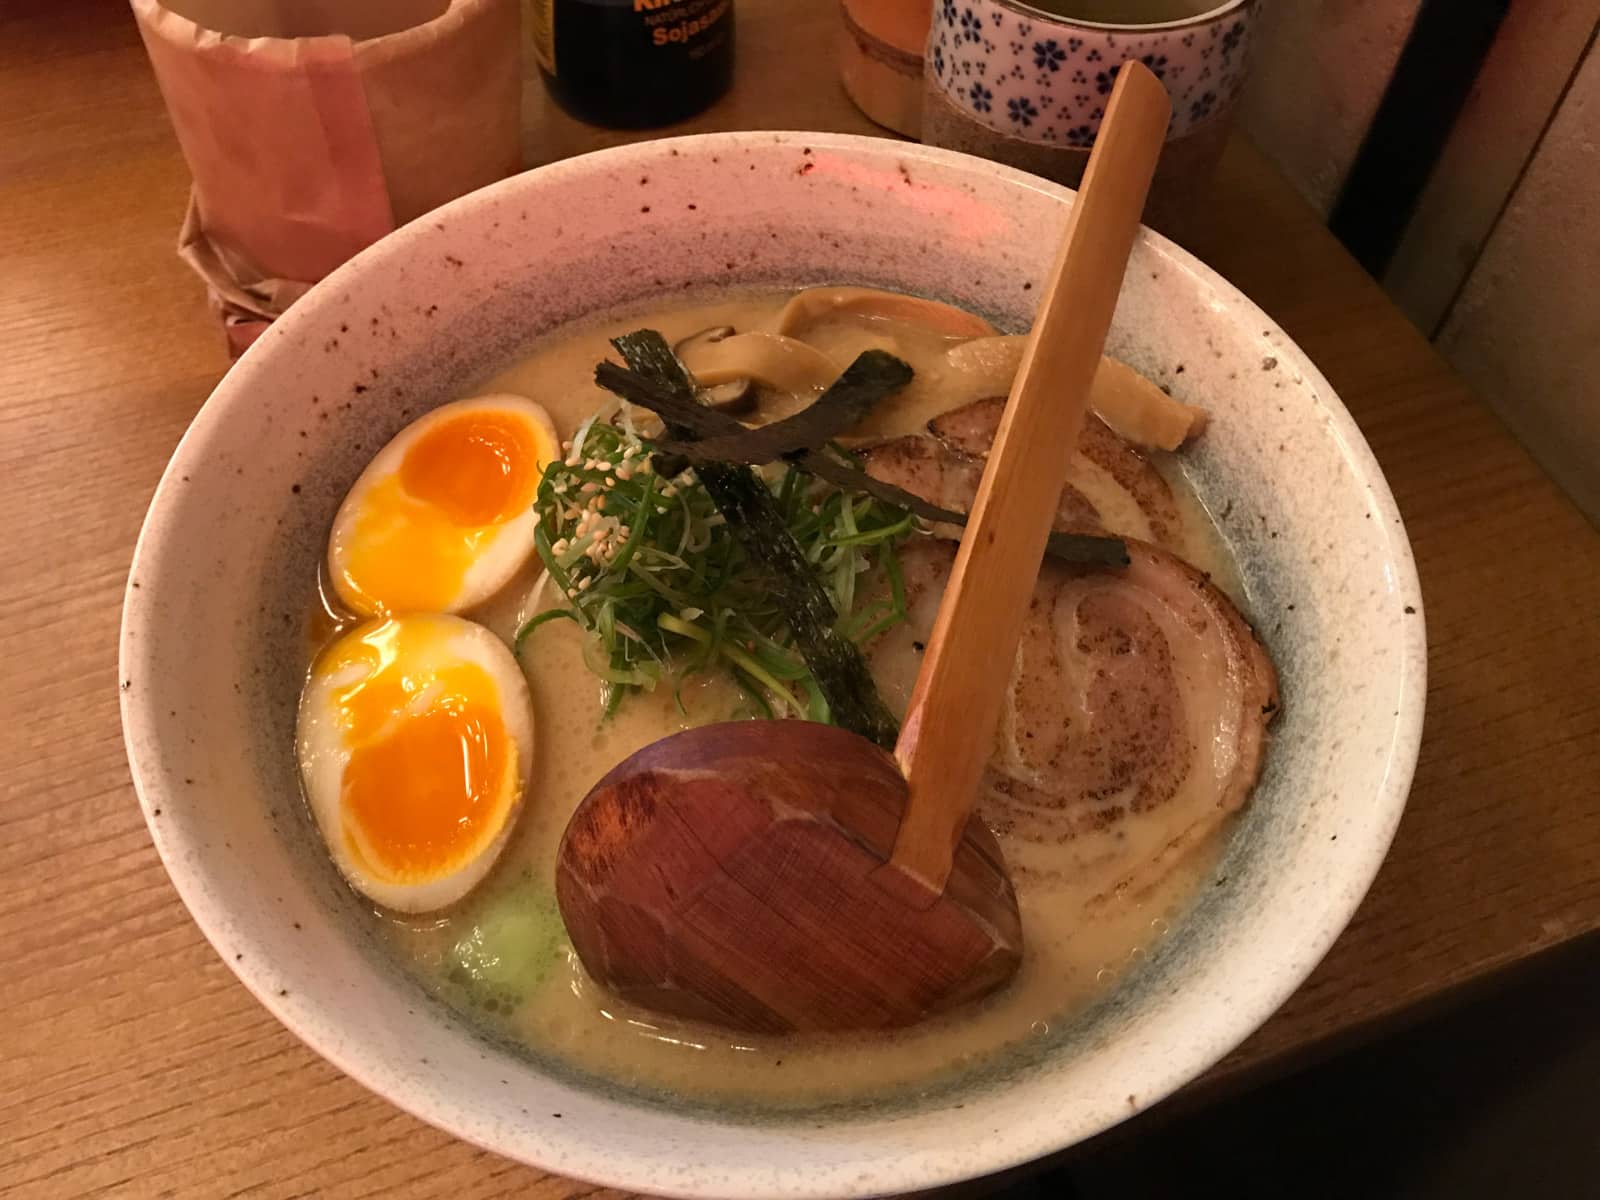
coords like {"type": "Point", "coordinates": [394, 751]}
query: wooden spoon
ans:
{"type": "Point", "coordinates": [785, 875]}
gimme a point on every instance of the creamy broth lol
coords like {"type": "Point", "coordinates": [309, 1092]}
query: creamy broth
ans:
{"type": "Point", "coordinates": [1075, 948]}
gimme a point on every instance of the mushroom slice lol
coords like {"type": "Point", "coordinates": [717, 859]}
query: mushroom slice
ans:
{"type": "Point", "coordinates": [963, 374]}
{"type": "Point", "coordinates": [735, 395]}
{"type": "Point", "coordinates": [986, 366]}
{"type": "Point", "coordinates": [818, 302]}
{"type": "Point", "coordinates": [782, 363]}
{"type": "Point", "coordinates": [1124, 399]}
{"type": "Point", "coordinates": [1139, 410]}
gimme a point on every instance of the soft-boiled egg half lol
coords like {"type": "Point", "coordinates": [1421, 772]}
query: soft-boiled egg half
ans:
{"type": "Point", "coordinates": [442, 518]}
{"type": "Point", "coordinates": [415, 742]}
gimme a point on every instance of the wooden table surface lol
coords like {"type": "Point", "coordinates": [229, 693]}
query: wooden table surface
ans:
{"type": "Point", "coordinates": [131, 1061]}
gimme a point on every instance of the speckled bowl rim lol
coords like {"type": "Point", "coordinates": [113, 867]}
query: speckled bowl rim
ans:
{"type": "Point", "coordinates": [948, 1165]}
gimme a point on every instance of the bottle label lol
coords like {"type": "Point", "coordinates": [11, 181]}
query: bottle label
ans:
{"type": "Point", "coordinates": [681, 22]}
{"type": "Point", "coordinates": [541, 19]}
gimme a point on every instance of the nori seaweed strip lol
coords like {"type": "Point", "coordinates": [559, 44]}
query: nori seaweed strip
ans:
{"type": "Point", "coordinates": [1076, 548]}
{"type": "Point", "coordinates": [750, 509]}
{"type": "Point", "coordinates": [688, 420]}
{"type": "Point", "coordinates": [874, 376]}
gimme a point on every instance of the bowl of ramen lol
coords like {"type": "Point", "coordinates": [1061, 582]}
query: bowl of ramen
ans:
{"type": "Point", "coordinates": [414, 581]}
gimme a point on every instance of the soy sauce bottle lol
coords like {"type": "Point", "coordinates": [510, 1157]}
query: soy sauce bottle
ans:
{"type": "Point", "coordinates": [633, 64]}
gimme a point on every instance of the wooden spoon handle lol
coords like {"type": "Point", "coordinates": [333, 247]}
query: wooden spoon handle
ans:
{"type": "Point", "coordinates": [950, 725]}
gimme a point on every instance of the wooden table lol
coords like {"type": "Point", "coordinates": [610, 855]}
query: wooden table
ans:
{"type": "Point", "coordinates": [132, 1063]}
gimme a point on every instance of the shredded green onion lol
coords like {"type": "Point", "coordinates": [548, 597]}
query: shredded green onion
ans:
{"type": "Point", "coordinates": [651, 571]}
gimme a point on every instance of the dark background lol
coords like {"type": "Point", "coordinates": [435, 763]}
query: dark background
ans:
{"type": "Point", "coordinates": [1495, 1095]}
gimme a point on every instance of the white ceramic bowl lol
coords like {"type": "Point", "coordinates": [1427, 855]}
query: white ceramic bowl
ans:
{"type": "Point", "coordinates": [224, 568]}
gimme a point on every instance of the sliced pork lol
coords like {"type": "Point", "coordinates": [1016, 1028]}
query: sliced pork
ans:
{"type": "Point", "coordinates": [1136, 719]}
{"type": "Point", "coordinates": [1111, 487]}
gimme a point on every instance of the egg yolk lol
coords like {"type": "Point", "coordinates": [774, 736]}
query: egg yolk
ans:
{"type": "Point", "coordinates": [418, 532]}
{"type": "Point", "coordinates": [432, 770]}
{"type": "Point", "coordinates": [478, 468]}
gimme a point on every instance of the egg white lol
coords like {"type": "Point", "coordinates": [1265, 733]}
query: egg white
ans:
{"type": "Point", "coordinates": [324, 755]}
{"type": "Point", "coordinates": [512, 542]}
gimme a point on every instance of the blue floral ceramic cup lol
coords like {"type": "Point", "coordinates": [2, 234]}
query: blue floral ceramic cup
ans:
{"type": "Point", "coordinates": [1027, 86]}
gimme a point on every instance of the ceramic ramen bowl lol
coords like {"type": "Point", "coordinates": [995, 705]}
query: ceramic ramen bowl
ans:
{"type": "Point", "coordinates": [212, 640]}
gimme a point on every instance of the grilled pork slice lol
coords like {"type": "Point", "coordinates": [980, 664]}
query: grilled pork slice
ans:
{"type": "Point", "coordinates": [1111, 487]}
{"type": "Point", "coordinates": [1136, 719]}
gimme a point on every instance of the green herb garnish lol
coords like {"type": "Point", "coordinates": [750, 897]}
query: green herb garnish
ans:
{"type": "Point", "coordinates": [654, 571]}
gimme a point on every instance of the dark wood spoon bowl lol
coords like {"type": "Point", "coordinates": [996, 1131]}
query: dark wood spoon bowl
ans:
{"type": "Point", "coordinates": [784, 875]}
{"type": "Point", "coordinates": [710, 865]}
